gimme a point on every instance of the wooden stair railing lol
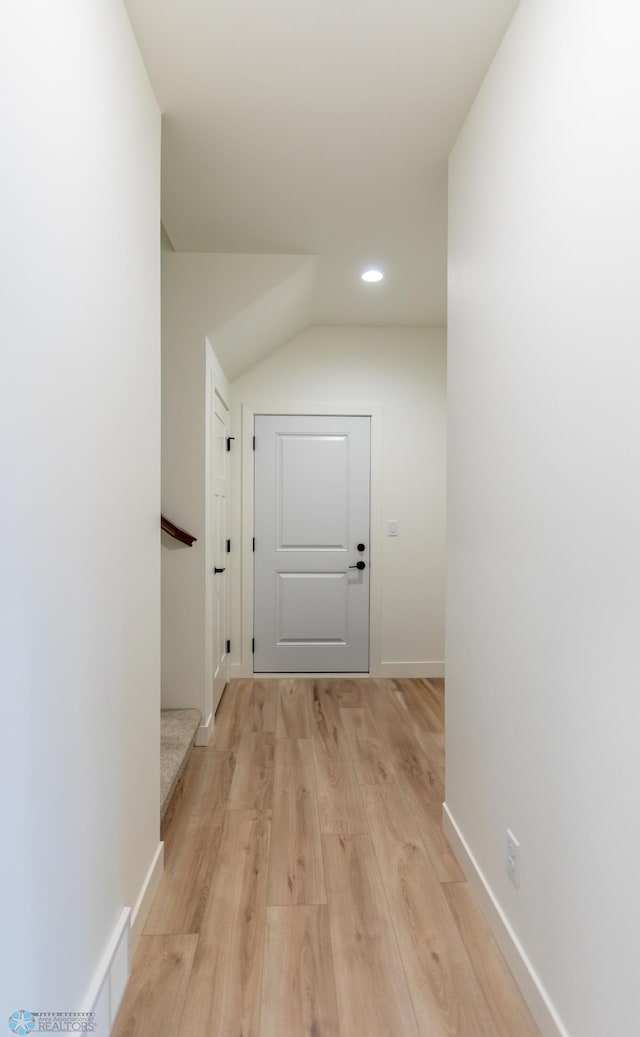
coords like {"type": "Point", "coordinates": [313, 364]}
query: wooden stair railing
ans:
{"type": "Point", "coordinates": [176, 532]}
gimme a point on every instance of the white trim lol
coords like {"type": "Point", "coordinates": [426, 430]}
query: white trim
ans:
{"type": "Point", "coordinates": [523, 971]}
{"type": "Point", "coordinates": [309, 676]}
{"type": "Point", "coordinates": [414, 669]}
{"type": "Point", "coordinates": [110, 978]}
{"type": "Point", "coordinates": [384, 669]}
{"type": "Point", "coordinates": [203, 734]}
{"type": "Point", "coordinates": [143, 903]}
{"type": "Point", "coordinates": [376, 413]}
{"type": "Point", "coordinates": [217, 388]}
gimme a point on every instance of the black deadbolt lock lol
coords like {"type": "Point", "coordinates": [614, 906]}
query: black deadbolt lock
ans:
{"type": "Point", "coordinates": [360, 547]}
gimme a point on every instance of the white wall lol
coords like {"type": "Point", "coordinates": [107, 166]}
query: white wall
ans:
{"type": "Point", "coordinates": [240, 304]}
{"type": "Point", "coordinates": [402, 371]}
{"type": "Point", "coordinates": [183, 495]}
{"type": "Point", "coordinates": [80, 433]}
{"type": "Point", "coordinates": [543, 703]}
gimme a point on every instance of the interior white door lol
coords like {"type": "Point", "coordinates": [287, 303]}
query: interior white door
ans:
{"type": "Point", "coordinates": [219, 559]}
{"type": "Point", "coordinates": [311, 561]}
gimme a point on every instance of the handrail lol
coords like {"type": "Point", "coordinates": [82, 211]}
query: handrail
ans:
{"type": "Point", "coordinates": [174, 531]}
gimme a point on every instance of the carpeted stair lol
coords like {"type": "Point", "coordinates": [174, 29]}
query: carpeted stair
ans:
{"type": "Point", "coordinates": [177, 735]}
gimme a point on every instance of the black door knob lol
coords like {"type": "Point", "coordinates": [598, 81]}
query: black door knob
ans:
{"type": "Point", "coordinates": [358, 565]}
{"type": "Point", "coordinates": [360, 547]}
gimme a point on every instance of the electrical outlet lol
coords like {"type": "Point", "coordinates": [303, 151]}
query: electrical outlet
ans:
{"type": "Point", "coordinates": [513, 858]}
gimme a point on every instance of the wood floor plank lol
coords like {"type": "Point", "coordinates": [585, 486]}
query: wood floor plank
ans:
{"type": "Point", "coordinates": [434, 691]}
{"type": "Point", "coordinates": [185, 791]}
{"type": "Point", "coordinates": [347, 691]}
{"type": "Point", "coordinates": [428, 816]}
{"type": "Point", "coordinates": [296, 874]}
{"type": "Point", "coordinates": [429, 819]}
{"type": "Point", "coordinates": [410, 762]}
{"type": "Point", "coordinates": [420, 704]}
{"type": "Point", "coordinates": [230, 716]}
{"type": "Point", "coordinates": [432, 745]}
{"type": "Point", "coordinates": [224, 991]}
{"type": "Point", "coordinates": [154, 998]}
{"type": "Point", "coordinates": [261, 714]}
{"type": "Point", "coordinates": [252, 785]}
{"type": "Point", "coordinates": [298, 989]}
{"type": "Point", "coordinates": [446, 995]}
{"type": "Point", "coordinates": [371, 759]}
{"type": "Point", "coordinates": [207, 781]}
{"type": "Point", "coordinates": [339, 801]}
{"type": "Point", "coordinates": [178, 796]}
{"type": "Point", "coordinates": [511, 1014]}
{"type": "Point", "coordinates": [293, 715]}
{"type": "Point", "coordinates": [371, 987]}
{"type": "Point", "coordinates": [191, 845]}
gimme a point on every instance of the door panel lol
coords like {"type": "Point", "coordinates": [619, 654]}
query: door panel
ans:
{"type": "Point", "coordinates": [312, 503]}
{"type": "Point", "coordinates": [311, 610]}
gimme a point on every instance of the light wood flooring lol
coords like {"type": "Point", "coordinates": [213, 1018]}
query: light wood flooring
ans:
{"type": "Point", "coordinates": [308, 889]}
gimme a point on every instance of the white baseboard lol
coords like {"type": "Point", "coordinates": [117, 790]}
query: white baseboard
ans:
{"type": "Point", "coordinates": [416, 669]}
{"type": "Point", "coordinates": [523, 972]}
{"type": "Point", "coordinates": [308, 676]}
{"type": "Point", "coordinates": [203, 734]}
{"type": "Point", "coordinates": [110, 978]}
{"type": "Point", "coordinates": [238, 671]}
{"type": "Point", "coordinates": [145, 898]}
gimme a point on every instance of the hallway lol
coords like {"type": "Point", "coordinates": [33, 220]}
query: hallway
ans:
{"type": "Point", "coordinates": [307, 887]}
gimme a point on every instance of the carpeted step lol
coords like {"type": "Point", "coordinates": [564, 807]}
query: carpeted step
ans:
{"type": "Point", "coordinates": [177, 735]}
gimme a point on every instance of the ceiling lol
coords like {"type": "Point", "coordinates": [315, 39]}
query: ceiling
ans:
{"type": "Point", "coordinates": [319, 127]}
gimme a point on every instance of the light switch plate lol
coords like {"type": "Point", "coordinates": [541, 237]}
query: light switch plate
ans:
{"type": "Point", "coordinates": [392, 527]}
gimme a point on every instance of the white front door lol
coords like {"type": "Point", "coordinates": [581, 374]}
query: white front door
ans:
{"type": "Point", "coordinates": [311, 561]}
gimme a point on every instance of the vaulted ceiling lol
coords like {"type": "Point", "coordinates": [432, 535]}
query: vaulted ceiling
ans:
{"type": "Point", "coordinates": [319, 127]}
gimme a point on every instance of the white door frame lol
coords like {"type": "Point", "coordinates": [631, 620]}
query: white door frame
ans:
{"type": "Point", "coordinates": [375, 413]}
{"type": "Point", "coordinates": [216, 386]}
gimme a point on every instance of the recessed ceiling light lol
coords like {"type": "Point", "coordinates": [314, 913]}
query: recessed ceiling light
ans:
{"type": "Point", "coordinates": [372, 275]}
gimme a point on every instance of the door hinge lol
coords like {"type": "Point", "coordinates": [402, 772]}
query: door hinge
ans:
{"type": "Point", "coordinates": [228, 647]}
{"type": "Point", "coordinates": [229, 441]}
{"type": "Point", "coordinates": [254, 442]}
{"type": "Point", "coordinates": [228, 547]}
{"type": "Point", "coordinates": [253, 645]}
{"type": "Point", "coordinates": [253, 543]}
